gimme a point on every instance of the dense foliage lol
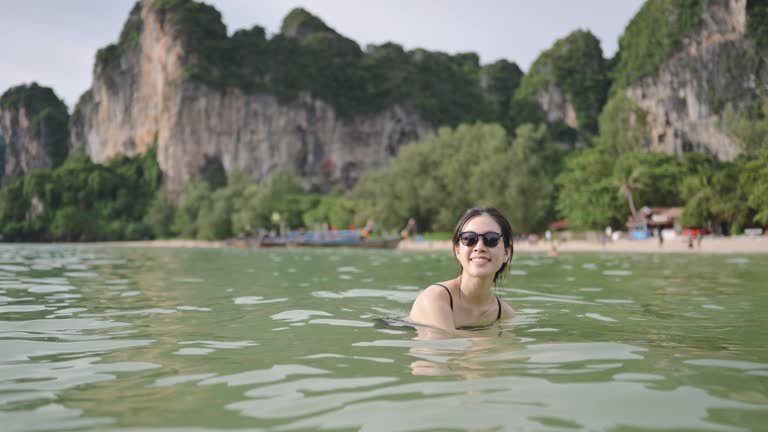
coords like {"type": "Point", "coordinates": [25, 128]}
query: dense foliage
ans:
{"type": "Point", "coordinates": [81, 200]}
{"type": "Point", "coordinates": [757, 23]}
{"type": "Point", "coordinates": [751, 131]}
{"type": "Point", "coordinates": [436, 180]}
{"type": "Point", "coordinates": [47, 115]}
{"type": "Point", "coordinates": [500, 80]}
{"type": "Point", "coordinates": [652, 35]}
{"type": "Point", "coordinates": [622, 126]}
{"type": "Point", "coordinates": [596, 188]}
{"type": "Point", "coordinates": [243, 207]}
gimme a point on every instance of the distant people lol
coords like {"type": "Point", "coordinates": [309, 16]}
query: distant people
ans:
{"type": "Point", "coordinates": [608, 233]}
{"type": "Point", "coordinates": [660, 234]}
{"type": "Point", "coordinates": [409, 227]}
{"type": "Point", "coordinates": [365, 233]}
{"type": "Point", "coordinates": [552, 246]}
{"type": "Point", "coordinates": [699, 237]}
{"type": "Point", "coordinates": [552, 251]}
{"type": "Point", "coordinates": [690, 239]}
{"type": "Point", "coordinates": [482, 245]}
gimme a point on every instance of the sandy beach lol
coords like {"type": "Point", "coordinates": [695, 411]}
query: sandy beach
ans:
{"type": "Point", "coordinates": [709, 244]}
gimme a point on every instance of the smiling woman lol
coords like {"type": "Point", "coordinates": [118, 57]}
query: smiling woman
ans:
{"type": "Point", "coordinates": [482, 244]}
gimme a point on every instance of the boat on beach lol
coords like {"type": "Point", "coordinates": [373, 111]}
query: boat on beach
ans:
{"type": "Point", "coordinates": [333, 238]}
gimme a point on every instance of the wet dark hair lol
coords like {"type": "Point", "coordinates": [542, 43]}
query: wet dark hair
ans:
{"type": "Point", "coordinates": [506, 233]}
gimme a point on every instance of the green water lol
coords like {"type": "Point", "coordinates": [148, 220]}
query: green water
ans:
{"type": "Point", "coordinates": [133, 339]}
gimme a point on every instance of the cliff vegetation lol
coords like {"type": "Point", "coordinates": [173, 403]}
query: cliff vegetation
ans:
{"type": "Point", "coordinates": [81, 201]}
{"type": "Point", "coordinates": [308, 56]}
{"type": "Point", "coordinates": [576, 67]}
{"type": "Point", "coordinates": [46, 114]}
{"type": "Point", "coordinates": [652, 36]}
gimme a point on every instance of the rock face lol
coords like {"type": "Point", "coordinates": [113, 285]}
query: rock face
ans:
{"type": "Point", "coordinates": [33, 122]}
{"type": "Point", "coordinates": [715, 68]}
{"type": "Point", "coordinates": [140, 96]}
{"type": "Point", "coordinates": [556, 106]}
{"type": "Point", "coordinates": [24, 151]}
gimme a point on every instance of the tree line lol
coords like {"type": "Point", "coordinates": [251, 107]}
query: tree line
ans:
{"type": "Point", "coordinates": [528, 175]}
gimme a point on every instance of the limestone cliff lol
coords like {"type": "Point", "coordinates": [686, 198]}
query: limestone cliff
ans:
{"type": "Point", "coordinates": [141, 93]}
{"type": "Point", "coordinates": [715, 67]}
{"type": "Point", "coordinates": [33, 122]}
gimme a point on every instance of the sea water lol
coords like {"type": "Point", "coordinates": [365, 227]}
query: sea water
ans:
{"type": "Point", "coordinates": [97, 338]}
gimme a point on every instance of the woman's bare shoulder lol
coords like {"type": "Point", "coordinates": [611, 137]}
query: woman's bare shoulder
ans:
{"type": "Point", "coordinates": [433, 306]}
{"type": "Point", "coordinates": [435, 292]}
{"type": "Point", "coordinates": [507, 311]}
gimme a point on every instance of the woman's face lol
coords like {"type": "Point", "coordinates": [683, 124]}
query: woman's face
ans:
{"type": "Point", "coordinates": [480, 260]}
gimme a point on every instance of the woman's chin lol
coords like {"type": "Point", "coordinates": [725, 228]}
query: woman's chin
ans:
{"type": "Point", "coordinates": [482, 272]}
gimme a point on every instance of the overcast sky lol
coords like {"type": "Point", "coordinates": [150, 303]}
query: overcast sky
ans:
{"type": "Point", "coordinates": [54, 42]}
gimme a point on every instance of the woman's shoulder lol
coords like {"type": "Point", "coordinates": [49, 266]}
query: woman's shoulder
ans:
{"type": "Point", "coordinates": [507, 311]}
{"type": "Point", "coordinates": [433, 306]}
{"type": "Point", "coordinates": [438, 292]}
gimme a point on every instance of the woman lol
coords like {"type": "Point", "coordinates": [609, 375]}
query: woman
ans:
{"type": "Point", "coordinates": [482, 244]}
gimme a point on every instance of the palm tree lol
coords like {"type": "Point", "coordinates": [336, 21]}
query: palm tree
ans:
{"type": "Point", "coordinates": [627, 182]}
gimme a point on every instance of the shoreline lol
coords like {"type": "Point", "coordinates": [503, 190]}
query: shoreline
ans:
{"type": "Point", "coordinates": [709, 245]}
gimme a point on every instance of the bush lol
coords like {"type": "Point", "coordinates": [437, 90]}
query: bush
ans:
{"type": "Point", "coordinates": [81, 200]}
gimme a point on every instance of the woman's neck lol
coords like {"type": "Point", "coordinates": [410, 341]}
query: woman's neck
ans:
{"type": "Point", "coordinates": [475, 290]}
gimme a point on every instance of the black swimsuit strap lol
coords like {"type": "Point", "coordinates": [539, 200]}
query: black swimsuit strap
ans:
{"type": "Point", "coordinates": [498, 316]}
{"type": "Point", "coordinates": [448, 291]}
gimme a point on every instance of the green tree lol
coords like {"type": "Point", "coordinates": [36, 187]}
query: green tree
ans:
{"type": "Point", "coordinates": [622, 126]}
{"type": "Point", "coordinates": [587, 197]}
{"type": "Point", "coordinates": [499, 82]}
{"type": "Point", "coordinates": [526, 190]}
{"type": "Point", "coordinates": [434, 181]}
{"type": "Point", "coordinates": [714, 195]}
{"type": "Point", "coordinates": [161, 214]}
{"type": "Point", "coordinates": [194, 196]}
{"type": "Point", "coordinates": [81, 200]}
{"type": "Point", "coordinates": [751, 131]}
{"type": "Point", "coordinates": [754, 179]}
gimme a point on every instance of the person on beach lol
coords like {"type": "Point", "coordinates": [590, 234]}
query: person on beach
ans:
{"type": "Point", "coordinates": [660, 234]}
{"type": "Point", "coordinates": [482, 245]}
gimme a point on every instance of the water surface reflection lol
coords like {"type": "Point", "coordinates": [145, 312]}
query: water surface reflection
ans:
{"type": "Point", "coordinates": [130, 339]}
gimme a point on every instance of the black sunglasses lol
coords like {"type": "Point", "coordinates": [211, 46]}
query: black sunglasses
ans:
{"type": "Point", "coordinates": [470, 238]}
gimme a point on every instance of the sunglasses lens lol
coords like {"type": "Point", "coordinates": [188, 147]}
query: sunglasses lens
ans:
{"type": "Point", "coordinates": [491, 239]}
{"type": "Point", "coordinates": [469, 239]}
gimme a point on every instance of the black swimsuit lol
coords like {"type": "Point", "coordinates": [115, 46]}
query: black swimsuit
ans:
{"type": "Point", "coordinates": [450, 296]}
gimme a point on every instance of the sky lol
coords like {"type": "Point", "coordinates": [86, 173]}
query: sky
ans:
{"type": "Point", "coordinates": [54, 42]}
